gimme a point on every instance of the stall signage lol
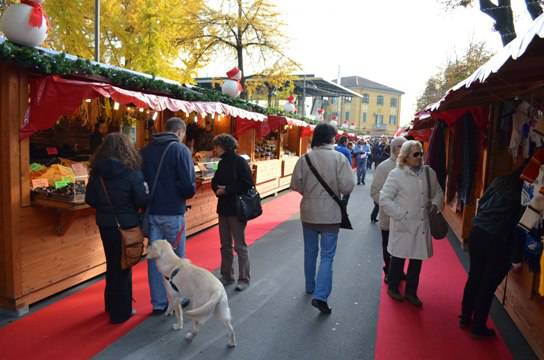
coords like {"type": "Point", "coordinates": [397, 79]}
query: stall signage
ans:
{"type": "Point", "coordinates": [39, 183]}
{"type": "Point", "coordinates": [61, 184]}
{"type": "Point", "coordinates": [36, 167]}
{"type": "Point", "coordinates": [79, 169]}
{"type": "Point", "coordinates": [52, 150]}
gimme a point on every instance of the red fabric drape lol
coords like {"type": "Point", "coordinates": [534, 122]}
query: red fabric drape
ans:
{"type": "Point", "coordinates": [52, 97]}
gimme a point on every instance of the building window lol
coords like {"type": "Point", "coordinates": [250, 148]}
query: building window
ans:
{"type": "Point", "coordinates": [364, 117]}
{"type": "Point", "coordinates": [378, 119]}
{"type": "Point", "coordinates": [347, 116]}
{"type": "Point", "coordinates": [392, 119]}
{"type": "Point", "coordinates": [379, 100]}
{"type": "Point", "coordinates": [394, 102]}
{"type": "Point", "coordinates": [366, 99]}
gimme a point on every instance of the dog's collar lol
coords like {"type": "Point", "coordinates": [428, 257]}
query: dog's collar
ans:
{"type": "Point", "coordinates": [171, 277]}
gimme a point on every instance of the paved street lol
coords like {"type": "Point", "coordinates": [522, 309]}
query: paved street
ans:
{"type": "Point", "coordinates": [273, 319]}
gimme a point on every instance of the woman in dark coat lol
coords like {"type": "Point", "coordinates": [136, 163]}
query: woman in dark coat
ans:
{"type": "Point", "coordinates": [233, 176]}
{"type": "Point", "coordinates": [118, 163]}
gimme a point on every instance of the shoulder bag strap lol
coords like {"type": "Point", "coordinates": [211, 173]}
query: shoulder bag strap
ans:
{"type": "Point", "coordinates": [156, 179]}
{"type": "Point", "coordinates": [109, 201]}
{"type": "Point", "coordinates": [322, 182]}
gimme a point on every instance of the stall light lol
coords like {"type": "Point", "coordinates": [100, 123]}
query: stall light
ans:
{"type": "Point", "coordinates": [155, 115]}
{"type": "Point", "coordinates": [116, 106]}
{"type": "Point", "coordinates": [186, 115]}
{"type": "Point", "coordinates": [141, 109]}
{"type": "Point", "coordinates": [195, 119]}
{"type": "Point", "coordinates": [88, 100]}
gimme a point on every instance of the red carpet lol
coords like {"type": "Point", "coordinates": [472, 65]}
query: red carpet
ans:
{"type": "Point", "coordinates": [77, 327]}
{"type": "Point", "coordinates": [405, 332]}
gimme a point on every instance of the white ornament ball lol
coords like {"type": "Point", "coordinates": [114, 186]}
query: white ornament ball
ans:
{"type": "Point", "coordinates": [231, 88]}
{"type": "Point", "coordinates": [14, 24]}
{"type": "Point", "coordinates": [289, 107]}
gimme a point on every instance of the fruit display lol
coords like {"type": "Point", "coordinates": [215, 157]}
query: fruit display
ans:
{"type": "Point", "coordinates": [59, 182]}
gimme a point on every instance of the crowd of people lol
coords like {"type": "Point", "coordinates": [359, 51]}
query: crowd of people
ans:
{"type": "Point", "coordinates": [404, 191]}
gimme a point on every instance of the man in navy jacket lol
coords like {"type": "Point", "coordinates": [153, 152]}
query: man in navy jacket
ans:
{"type": "Point", "coordinates": [175, 184]}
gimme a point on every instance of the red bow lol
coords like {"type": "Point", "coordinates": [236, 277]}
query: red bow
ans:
{"type": "Point", "coordinates": [37, 14]}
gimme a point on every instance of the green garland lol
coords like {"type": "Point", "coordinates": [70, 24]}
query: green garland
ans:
{"type": "Point", "coordinates": [59, 64]}
{"type": "Point", "coordinates": [46, 63]}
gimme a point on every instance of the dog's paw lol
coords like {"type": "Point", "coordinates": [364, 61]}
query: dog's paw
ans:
{"type": "Point", "coordinates": [189, 336]}
{"type": "Point", "coordinates": [177, 326]}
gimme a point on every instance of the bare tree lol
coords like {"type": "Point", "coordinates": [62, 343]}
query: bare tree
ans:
{"type": "Point", "coordinates": [501, 12]}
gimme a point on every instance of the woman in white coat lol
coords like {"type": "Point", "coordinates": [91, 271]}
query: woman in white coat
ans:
{"type": "Point", "coordinates": [404, 198]}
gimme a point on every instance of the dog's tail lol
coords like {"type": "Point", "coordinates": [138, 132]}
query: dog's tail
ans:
{"type": "Point", "coordinates": [207, 307]}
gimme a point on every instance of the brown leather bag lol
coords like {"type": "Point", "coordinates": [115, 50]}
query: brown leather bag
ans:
{"type": "Point", "coordinates": [132, 240]}
{"type": "Point", "coordinates": [439, 226]}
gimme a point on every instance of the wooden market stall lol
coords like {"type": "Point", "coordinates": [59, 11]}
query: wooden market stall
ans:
{"type": "Point", "coordinates": [48, 236]}
{"type": "Point", "coordinates": [498, 112]}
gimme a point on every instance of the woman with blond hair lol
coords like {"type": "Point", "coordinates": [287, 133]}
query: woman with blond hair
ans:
{"type": "Point", "coordinates": [405, 198]}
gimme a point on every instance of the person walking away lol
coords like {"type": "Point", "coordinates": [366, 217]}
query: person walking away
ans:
{"type": "Point", "coordinates": [176, 183]}
{"type": "Point", "coordinates": [233, 177]}
{"type": "Point", "coordinates": [493, 247]}
{"type": "Point", "coordinates": [342, 147]}
{"type": "Point", "coordinates": [404, 198]}
{"type": "Point", "coordinates": [380, 175]}
{"type": "Point", "coordinates": [320, 214]}
{"type": "Point", "coordinates": [117, 163]}
{"type": "Point", "coordinates": [361, 152]}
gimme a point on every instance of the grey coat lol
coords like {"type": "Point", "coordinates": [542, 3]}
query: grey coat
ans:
{"type": "Point", "coordinates": [317, 206]}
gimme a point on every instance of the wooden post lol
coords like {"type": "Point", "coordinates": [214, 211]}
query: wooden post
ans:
{"type": "Point", "coordinates": [11, 113]}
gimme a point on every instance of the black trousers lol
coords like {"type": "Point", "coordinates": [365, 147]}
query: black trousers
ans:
{"type": "Point", "coordinates": [375, 211]}
{"type": "Point", "coordinates": [118, 292]}
{"type": "Point", "coordinates": [396, 270]}
{"type": "Point", "coordinates": [386, 256]}
{"type": "Point", "coordinates": [489, 264]}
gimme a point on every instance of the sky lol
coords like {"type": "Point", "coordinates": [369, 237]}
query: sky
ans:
{"type": "Point", "coordinates": [398, 43]}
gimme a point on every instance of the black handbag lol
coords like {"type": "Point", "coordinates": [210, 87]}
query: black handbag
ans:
{"type": "Point", "coordinates": [342, 203]}
{"type": "Point", "coordinates": [439, 226]}
{"type": "Point", "coordinates": [248, 204]}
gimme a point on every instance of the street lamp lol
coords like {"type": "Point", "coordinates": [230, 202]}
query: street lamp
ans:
{"type": "Point", "coordinates": [97, 30]}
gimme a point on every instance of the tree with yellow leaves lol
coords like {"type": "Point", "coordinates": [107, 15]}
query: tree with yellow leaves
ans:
{"type": "Point", "coordinates": [137, 34]}
{"type": "Point", "coordinates": [238, 27]}
{"type": "Point", "coordinates": [276, 80]}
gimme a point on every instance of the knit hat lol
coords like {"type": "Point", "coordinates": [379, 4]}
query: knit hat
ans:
{"type": "Point", "coordinates": [234, 74]}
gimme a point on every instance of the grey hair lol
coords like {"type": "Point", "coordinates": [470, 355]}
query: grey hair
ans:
{"type": "Point", "coordinates": [406, 150]}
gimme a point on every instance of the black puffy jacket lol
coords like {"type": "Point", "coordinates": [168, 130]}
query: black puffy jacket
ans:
{"type": "Point", "coordinates": [126, 190]}
{"type": "Point", "coordinates": [233, 172]}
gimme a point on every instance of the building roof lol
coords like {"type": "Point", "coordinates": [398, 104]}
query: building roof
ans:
{"type": "Point", "coordinates": [361, 82]}
{"type": "Point", "coordinates": [309, 84]}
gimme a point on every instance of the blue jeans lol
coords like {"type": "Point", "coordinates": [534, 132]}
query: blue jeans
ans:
{"type": "Point", "coordinates": [361, 171]}
{"type": "Point", "coordinates": [162, 227]}
{"type": "Point", "coordinates": [321, 288]}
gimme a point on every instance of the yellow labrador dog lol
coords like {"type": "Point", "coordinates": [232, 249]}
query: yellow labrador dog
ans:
{"type": "Point", "coordinates": [207, 294]}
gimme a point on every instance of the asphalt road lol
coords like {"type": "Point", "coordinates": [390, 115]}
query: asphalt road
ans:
{"type": "Point", "coordinates": [273, 318]}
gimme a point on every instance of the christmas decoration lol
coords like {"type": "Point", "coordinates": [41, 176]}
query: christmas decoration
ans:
{"type": "Point", "coordinates": [232, 86]}
{"type": "Point", "coordinates": [334, 123]}
{"type": "Point", "coordinates": [320, 114]}
{"type": "Point", "coordinates": [290, 105]}
{"type": "Point", "coordinates": [25, 23]}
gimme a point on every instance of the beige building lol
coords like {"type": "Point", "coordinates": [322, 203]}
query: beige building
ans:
{"type": "Point", "coordinates": [376, 113]}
